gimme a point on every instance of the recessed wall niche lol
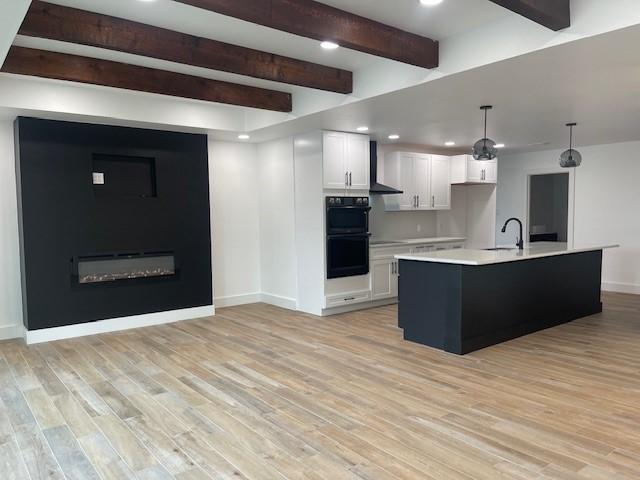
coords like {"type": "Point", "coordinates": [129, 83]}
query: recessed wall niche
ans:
{"type": "Point", "coordinates": [114, 221]}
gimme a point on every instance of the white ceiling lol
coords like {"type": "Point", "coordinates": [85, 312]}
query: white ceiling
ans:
{"type": "Point", "coordinates": [449, 18]}
{"type": "Point", "coordinates": [594, 81]}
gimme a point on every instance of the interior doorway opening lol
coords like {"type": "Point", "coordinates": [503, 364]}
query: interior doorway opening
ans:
{"type": "Point", "coordinates": [548, 219]}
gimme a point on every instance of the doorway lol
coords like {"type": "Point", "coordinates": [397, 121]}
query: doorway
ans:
{"type": "Point", "coordinates": [548, 216]}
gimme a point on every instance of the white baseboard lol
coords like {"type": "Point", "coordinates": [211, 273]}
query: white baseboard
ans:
{"type": "Point", "coordinates": [280, 301]}
{"type": "Point", "coordinates": [116, 324]}
{"type": "Point", "coordinates": [617, 287]}
{"type": "Point", "coordinates": [248, 298]}
{"type": "Point", "coordinates": [8, 332]}
{"type": "Point", "coordinates": [235, 300]}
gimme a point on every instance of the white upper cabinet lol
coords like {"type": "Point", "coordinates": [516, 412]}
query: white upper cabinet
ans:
{"type": "Point", "coordinates": [334, 154]}
{"type": "Point", "coordinates": [358, 161]}
{"type": "Point", "coordinates": [440, 182]}
{"type": "Point", "coordinates": [465, 169]}
{"type": "Point", "coordinates": [424, 179]}
{"type": "Point", "coordinates": [345, 161]}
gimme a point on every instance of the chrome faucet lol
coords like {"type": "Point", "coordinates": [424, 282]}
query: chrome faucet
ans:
{"type": "Point", "coordinates": [519, 242]}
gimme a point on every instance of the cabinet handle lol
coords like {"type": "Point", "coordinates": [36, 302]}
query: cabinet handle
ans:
{"type": "Point", "coordinates": [418, 201]}
{"type": "Point", "coordinates": [393, 268]}
{"type": "Point", "coordinates": [433, 201]}
{"type": "Point", "coordinates": [350, 182]}
{"type": "Point", "coordinates": [346, 179]}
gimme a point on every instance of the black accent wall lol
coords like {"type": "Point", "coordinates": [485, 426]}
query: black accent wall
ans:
{"type": "Point", "coordinates": [155, 199]}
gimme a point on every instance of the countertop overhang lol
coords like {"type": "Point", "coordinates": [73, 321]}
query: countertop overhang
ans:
{"type": "Point", "coordinates": [486, 257]}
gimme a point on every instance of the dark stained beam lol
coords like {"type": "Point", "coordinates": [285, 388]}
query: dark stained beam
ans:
{"type": "Point", "coordinates": [318, 21]}
{"type": "Point", "coordinates": [56, 22]}
{"type": "Point", "coordinates": [553, 14]}
{"type": "Point", "coordinates": [61, 66]}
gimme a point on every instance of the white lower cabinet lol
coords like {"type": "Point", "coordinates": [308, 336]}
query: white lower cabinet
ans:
{"type": "Point", "coordinates": [384, 278]}
{"type": "Point", "coordinates": [385, 269]}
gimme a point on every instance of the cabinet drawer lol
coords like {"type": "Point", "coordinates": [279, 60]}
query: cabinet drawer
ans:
{"type": "Point", "coordinates": [347, 299]}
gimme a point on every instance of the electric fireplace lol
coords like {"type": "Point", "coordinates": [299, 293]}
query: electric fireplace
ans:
{"type": "Point", "coordinates": [124, 266]}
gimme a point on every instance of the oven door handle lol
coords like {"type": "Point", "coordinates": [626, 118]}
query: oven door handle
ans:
{"type": "Point", "coordinates": [352, 207]}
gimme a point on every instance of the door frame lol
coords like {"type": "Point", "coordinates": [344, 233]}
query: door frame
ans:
{"type": "Point", "coordinates": [572, 198]}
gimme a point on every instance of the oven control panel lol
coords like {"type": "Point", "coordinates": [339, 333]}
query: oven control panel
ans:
{"type": "Point", "coordinates": [347, 201]}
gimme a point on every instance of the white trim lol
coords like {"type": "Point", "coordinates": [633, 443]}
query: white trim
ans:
{"type": "Point", "coordinates": [116, 324]}
{"type": "Point", "coordinates": [234, 300]}
{"type": "Point", "coordinates": [279, 301]}
{"type": "Point", "coordinates": [618, 287]}
{"type": "Point", "coordinates": [7, 332]}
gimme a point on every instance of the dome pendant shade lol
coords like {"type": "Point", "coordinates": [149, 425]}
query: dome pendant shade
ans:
{"type": "Point", "coordinates": [570, 158]}
{"type": "Point", "coordinates": [485, 148]}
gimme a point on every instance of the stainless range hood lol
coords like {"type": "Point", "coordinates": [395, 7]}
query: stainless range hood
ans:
{"type": "Point", "coordinates": [378, 188]}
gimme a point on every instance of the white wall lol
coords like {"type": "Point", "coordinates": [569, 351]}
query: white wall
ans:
{"type": "Point", "coordinates": [392, 225]}
{"type": "Point", "coordinates": [10, 282]}
{"type": "Point", "coordinates": [606, 199]}
{"type": "Point", "coordinates": [277, 222]}
{"type": "Point", "coordinates": [472, 215]}
{"type": "Point", "coordinates": [234, 184]}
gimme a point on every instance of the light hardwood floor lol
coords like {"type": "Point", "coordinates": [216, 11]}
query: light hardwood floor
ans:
{"type": "Point", "coordinates": [263, 393]}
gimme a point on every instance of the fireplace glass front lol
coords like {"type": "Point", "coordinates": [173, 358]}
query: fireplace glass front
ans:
{"type": "Point", "coordinates": [111, 268]}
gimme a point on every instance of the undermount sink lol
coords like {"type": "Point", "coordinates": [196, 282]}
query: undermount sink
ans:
{"type": "Point", "coordinates": [500, 249]}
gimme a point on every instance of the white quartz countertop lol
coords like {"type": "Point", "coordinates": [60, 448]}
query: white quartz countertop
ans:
{"type": "Point", "coordinates": [485, 257]}
{"type": "Point", "coordinates": [379, 243]}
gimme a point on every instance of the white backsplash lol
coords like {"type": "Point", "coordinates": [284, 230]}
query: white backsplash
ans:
{"type": "Point", "coordinates": [400, 225]}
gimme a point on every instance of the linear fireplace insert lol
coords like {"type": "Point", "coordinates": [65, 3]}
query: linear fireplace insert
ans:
{"type": "Point", "coordinates": [124, 266]}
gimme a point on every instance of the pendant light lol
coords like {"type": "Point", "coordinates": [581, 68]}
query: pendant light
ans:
{"type": "Point", "coordinates": [570, 158]}
{"type": "Point", "coordinates": [485, 149]}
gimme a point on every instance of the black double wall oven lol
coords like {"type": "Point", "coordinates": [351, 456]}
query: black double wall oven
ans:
{"type": "Point", "coordinates": [347, 236]}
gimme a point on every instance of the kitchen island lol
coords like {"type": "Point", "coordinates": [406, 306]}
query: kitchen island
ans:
{"type": "Point", "coordinates": [464, 300]}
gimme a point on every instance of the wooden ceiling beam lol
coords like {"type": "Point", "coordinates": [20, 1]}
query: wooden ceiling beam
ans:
{"type": "Point", "coordinates": [311, 19]}
{"type": "Point", "coordinates": [61, 66]}
{"type": "Point", "coordinates": [56, 22]}
{"type": "Point", "coordinates": [553, 14]}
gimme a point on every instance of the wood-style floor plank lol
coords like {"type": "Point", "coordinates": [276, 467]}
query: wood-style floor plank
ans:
{"type": "Point", "coordinates": [258, 393]}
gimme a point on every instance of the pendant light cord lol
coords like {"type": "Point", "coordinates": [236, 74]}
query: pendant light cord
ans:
{"type": "Point", "coordinates": [571, 138]}
{"type": "Point", "coordinates": [485, 129]}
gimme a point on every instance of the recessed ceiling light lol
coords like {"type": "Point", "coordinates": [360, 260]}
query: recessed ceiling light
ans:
{"type": "Point", "coordinates": [243, 136]}
{"type": "Point", "coordinates": [394, 137]}
{"type": "Point", "coordinates": [362, 129]}
{"type": "Point", "coordinates": [450, 144]}
{"type": "Point", "coordinates": [329, 45]}
{"type": "Point", "coordinates": [430, 3]}
{"type": "Point", "coordinates": [499, 145]}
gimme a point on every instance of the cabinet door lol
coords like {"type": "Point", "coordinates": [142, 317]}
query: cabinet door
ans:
{"type": "Point", "coordinates": [440, 182]}
{"type": "Point", "coordinates": [334, 160]}
{"type": "Point", "coordinates": [491, 172]}
{"type": "Point", "coordinates": [358, 161]}
{"type": "Point", "coordinates": [382, 278]}
{"type": "Point", "coordinates": [475, 170]}
{"type": "Point", "coordinates": [422, 179]}
{"type": "Point", "coordinates": [398, 173]}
